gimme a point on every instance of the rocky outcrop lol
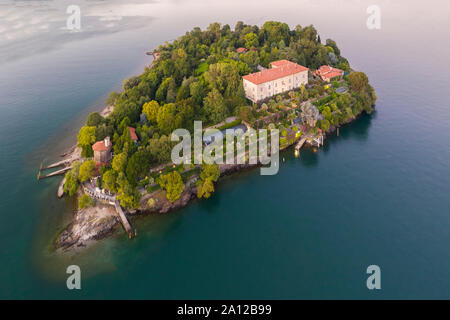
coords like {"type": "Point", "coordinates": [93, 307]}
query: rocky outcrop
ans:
{"type": "Point", "coordinates": [160, 204]}
{"type": "Point", "coordinates": [89, 224]}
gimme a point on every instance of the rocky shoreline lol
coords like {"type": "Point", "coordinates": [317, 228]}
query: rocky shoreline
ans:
{"type": "Point", "coordinates": [100, 221]}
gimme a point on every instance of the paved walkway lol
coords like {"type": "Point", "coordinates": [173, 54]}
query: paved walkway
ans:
{"type": "Point", "coordinates": [98, 195]}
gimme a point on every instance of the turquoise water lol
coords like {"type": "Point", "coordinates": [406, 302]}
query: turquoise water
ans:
{"type": "Point", "coordinates": [377, 194]}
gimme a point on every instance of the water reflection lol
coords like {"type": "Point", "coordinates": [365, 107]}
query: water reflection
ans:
{"type": "Point", "coordinates": [32, 27]}
{"type": "Point", "coordinates": [358, 129]}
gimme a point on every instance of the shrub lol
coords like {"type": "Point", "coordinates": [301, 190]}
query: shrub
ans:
{"type": "Point", "coordinates": [151, 202]}
{"type": "Point", "coordinates": [85, 201]}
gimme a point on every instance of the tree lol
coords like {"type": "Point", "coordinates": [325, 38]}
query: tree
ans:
{"type": "Point", "coordinates": [167, 120]}
{"type": "Point", "coordinates": [205, 188]}
{"type": "Point", "coordinates": [138, 166]}
{"type": "Point", "coordinates": [276, 31]}
{"type": "Point", "coordinates": [224, 77]}
{"type": "Point", "coordinates": [358, 81]}
{"type": "Point", "coordinates": [71, 184]}
{"type": "Point", "coordinates": [151, 110]}
{"type": "Point", "coordinates": [161, 93]}
{"type": "Point", "coordinates": [198, 91]}
{"type": "Point", "coordinates": [332, 44]}
{"type": "Point", "coordinates": [86, 137]}
{"type": "Point", "coordinates": [127, 194]}
{"type": "Point", "coordinates": [86, 170]}
{"type": "Point", "coordinates": [173, 184]}
{"type": "Point", "coordinates": [109, 180]}
{"type": "Point", "coordinates": [215, 107]}
{"type": "Point", "coordinates": [325, 125]}
{"type": "Point", "coordinates": [251, 59]}
{"type": "Point", "coordinates": [94, 119]}
{"type": "Point", "coordinates": [251, 40]}
{"type": "Point", "coordinates": [209, 174]}
{"type": "Point", "coordinates": [160, 149]}
{"type": "Point", "coordinates": [246, 113]}
{"type": "Point", "coordinates": [119, 162]}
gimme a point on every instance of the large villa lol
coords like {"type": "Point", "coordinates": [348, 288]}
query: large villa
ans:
{"type": "Point", "coordinates": [282, 76]}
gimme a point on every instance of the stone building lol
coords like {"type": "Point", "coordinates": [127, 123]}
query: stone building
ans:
{"type": "Point", "coordinates": [282, 76]}
{"type": "Point", "coordinates": [102, 151]}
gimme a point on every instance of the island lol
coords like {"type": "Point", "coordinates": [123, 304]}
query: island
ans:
{"type": "Point", "coordinates": [268, 77]}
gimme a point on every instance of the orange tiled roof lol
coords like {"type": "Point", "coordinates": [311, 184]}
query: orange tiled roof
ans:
{"type": "Point", "coordinates": [327, 72]}
{"type": "Point", "coordinates": [133, 134]}
{"type": "Point", "coordinates": [280, 69]}
{"type": "Point", "coordinates": [101, 146]}
{"type": "Point", "coordinates": [241, 50]}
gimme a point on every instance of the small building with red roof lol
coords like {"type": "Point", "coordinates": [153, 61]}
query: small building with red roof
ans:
{"type": "Point", "coordinates": [327, 73]}
{"type": "Point", "coordinates": [283, 76]}
{"type": "Point", "coordinates": [241, 50]}
{"type": "Point", "coordinates": [102, 151]}
{"type": "Point", "coordinates": [133, 134]}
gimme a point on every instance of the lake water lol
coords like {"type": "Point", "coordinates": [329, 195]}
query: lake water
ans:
{"type": "Point", "coordinates": [377, 194]}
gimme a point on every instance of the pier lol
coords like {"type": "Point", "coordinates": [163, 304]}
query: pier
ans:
{"type": "Point", "coordinates": [298, 146]}
{"type": "Point", "coordinates": [126, 225]}
{"type": "Point", "coordinates": [66, 164]}
{"type": "Point", "coordinates": [57, 164]}
{"type": "Point", "coordinates": [54, 173]}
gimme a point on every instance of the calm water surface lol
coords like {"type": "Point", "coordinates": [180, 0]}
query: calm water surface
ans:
{"type": "Point", "coordinates": [377, 194]}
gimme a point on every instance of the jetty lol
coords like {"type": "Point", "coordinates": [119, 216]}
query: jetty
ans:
{"type": "Point", "coordinates": [298, 146]}
{"type": "Point", "coordinates": [54, 173]}
{"type": "Point", "coordinates": [126, 225]}
{"type": "Point", "coordinates": [61, 163]}
{"type": "Point", "coordinates": [66, 165]}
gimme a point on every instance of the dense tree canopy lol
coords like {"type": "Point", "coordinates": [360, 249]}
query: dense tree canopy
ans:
{"type": "Point", "coordinates": [199, 77]}
{"type": "Point", "coordinates": [173, 184]}
{"type": "Point", "coordinates": [208, 176]}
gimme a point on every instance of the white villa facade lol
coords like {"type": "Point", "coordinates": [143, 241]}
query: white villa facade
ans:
{"type": "Point", "coordinates": [282, 76]}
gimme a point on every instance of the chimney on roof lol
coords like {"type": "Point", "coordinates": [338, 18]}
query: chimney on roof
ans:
{"type": "Point", "coordinates": [107, 142]}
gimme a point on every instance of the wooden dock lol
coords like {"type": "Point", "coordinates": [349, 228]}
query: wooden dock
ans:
{"type": "Point", "coordinates": [54, 173]}
{"type": "Point", "coordinates": [126, 225]}
{"type": "Point", "coordinates": [57, 164]}
{"type": "Point", "coordinates": [298, 146]}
